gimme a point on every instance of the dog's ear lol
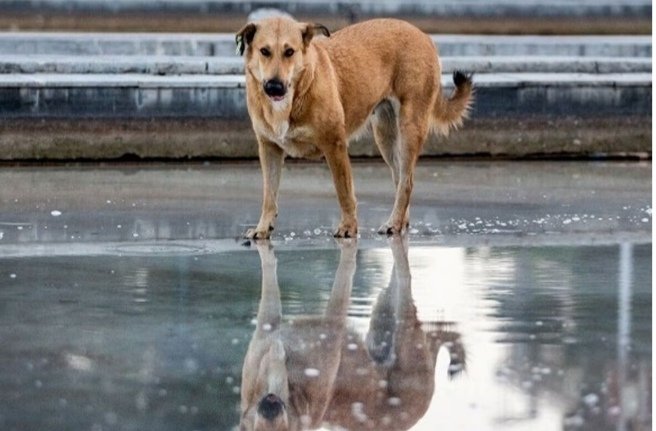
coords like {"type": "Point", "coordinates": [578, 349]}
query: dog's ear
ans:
{"type": "Point", "coordinates": [245, 37]}
{"type": "Point", "coordinates": [309, 30]}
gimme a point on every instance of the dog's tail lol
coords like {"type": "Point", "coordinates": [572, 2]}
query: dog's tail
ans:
{"type": "Point", "coordinates": [449, 113]}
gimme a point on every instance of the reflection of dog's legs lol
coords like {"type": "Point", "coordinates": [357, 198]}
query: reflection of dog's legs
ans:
{"type": "Point", "coordinates": [269, 313]}
{"type": "Point", "coordinates": [409, 364]}
{"type": "Point", "coordinates": [391, 307]}
{"type": "Point", "coordinates": [340, 296]}
{"type": "Point", "coordinates": [264, 364]}
{"type": "Point", "coordinates": [409, 335]}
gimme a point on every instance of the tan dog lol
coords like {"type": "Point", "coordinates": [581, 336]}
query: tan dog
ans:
{"type": "Point", "coordinates": [307, 96]}
{"type": "Point", "coordinates": [314, 371]}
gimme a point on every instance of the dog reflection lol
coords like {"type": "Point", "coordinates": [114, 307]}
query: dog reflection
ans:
{"type": "Point", "coordinates": [314, 372]}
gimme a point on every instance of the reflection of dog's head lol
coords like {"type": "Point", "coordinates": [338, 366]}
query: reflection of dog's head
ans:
{"type": "Point", "coordinates": [269, 414]}
{"type": "Point", "coordinates": [266, 403]}
{"type": "Point", "coordinates": [269, 402]}
{"type": "Point", "coordinates": [275, 49]}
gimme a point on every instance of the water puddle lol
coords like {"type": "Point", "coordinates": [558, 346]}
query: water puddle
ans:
{"type": "Point", "coordinates": [377, 335]}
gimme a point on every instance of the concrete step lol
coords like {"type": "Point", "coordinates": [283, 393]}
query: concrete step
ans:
{"type": "Point", "coordinates": [180, 65]}
{"type": "Point", "coordinates": [223, 44]}
{"type": "Point", "coordinates": [504, 95]}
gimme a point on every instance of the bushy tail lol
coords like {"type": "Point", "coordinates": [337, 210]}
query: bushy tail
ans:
{"type": "Point", "coordinates": [449, 113]}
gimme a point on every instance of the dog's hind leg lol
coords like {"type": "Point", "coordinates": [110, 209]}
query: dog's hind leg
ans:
{"type": "Point", "coordinates": [413, 130]}
{"type": "Point", "coordinates": [384, 123]}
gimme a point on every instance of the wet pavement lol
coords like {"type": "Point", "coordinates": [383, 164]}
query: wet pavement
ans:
{"type": "Point", "coordinates": [520, 299]}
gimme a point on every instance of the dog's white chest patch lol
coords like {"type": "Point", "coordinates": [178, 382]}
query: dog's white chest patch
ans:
{"type": "Point", "coordinates": [294, 141]}
{"type": "Point", "coordinates": [281, 133]}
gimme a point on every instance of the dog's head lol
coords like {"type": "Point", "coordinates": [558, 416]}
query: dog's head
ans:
{"type": "Point", "coordinates": [275, 51]}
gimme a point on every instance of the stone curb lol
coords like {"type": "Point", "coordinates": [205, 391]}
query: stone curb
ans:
{"type": "Point", "coordinates": [185, 65]}
{"type": "Point", "coordinates": [223, 96]}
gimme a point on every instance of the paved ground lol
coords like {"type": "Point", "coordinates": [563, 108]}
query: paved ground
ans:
{"type": "Point", "coordinates": [95, 209]}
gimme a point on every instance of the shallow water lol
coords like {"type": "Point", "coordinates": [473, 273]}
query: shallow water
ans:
{"type": "Point", "coordinates": [521, 300]}
{"type": "Point", "coordinates": [554, 337]}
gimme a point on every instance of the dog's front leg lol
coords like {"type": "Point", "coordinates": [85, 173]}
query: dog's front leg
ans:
{"type": "Point", "coordinates": [271, 160]}
{"type": "Point", "coordinates": [340, 166]}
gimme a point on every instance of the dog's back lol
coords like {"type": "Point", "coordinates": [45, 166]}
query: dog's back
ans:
{"type": "Point", "coordinates": [390, 59]}
{"type": "Point", "coordinates": [379, 59]}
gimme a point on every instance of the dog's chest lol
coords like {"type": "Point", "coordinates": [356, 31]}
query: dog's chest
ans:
{"type": "Point", "coordinates": [297, 141]}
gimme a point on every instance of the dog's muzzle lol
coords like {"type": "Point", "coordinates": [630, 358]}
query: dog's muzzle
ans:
{"type": "Point", "coordinates": [275, 89]}
{"type": "Point", "coordinates": [270, 407]}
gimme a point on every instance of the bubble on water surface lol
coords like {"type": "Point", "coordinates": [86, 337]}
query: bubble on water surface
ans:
{"type": "Point", "coordinates": [591, 400]}
{"type": "Point", "coordinates": [311, 372]}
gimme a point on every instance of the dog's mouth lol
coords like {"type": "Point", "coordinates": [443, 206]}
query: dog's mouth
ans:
{"type": "Point", "coordinates": [275, 89]}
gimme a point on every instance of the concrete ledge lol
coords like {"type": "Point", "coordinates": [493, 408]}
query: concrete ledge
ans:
{"type": "Point", "coordinates": [129, 95]}
{"type": "Point", "coordinates": [185, 65]}
{"type": "Point", "coordinates": [128, 80]}
{"type": "Point", "coordinates": [223, 44]}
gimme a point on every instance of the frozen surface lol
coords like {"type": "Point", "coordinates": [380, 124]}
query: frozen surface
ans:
{"type": "Point", "coordinates": [127, 303]}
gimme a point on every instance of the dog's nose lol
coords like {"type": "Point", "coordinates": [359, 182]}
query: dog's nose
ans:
{"type": "Point", "coordinates": [270, 406]}
{"type": "Point", "coordinates": [274, 88]}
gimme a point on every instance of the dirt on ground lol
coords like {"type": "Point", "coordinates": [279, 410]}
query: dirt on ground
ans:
{"type": "Point", "coordinates": [213, 138]}
{"type": "Point", "coordinates": [214, 23]}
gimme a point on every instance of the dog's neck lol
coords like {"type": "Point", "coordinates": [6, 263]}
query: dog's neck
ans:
{"type": "Point", "coordinates": [306, 77]}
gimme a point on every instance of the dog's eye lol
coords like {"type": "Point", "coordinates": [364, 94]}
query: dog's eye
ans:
{"type": "Point", "coordinates": [265, 52]}
{"type": "Point", "coordinates": [289, 52]}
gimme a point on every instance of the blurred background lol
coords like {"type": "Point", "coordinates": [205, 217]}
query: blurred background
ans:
{"type": "Point", "coordinates": [159, 79]}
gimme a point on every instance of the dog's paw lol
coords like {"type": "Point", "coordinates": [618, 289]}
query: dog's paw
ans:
{"type": "Point", "coordinates": [390, 229]}
{"type": "Point", "coordinates": [257, 234]}
{"type": "Point", "coordinates": [346, 230]}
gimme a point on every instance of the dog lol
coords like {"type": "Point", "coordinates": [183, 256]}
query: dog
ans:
{"type": "Point", "coordinates": [309, 92]}
{"type": "Point", "coordinates": [315, 371]}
